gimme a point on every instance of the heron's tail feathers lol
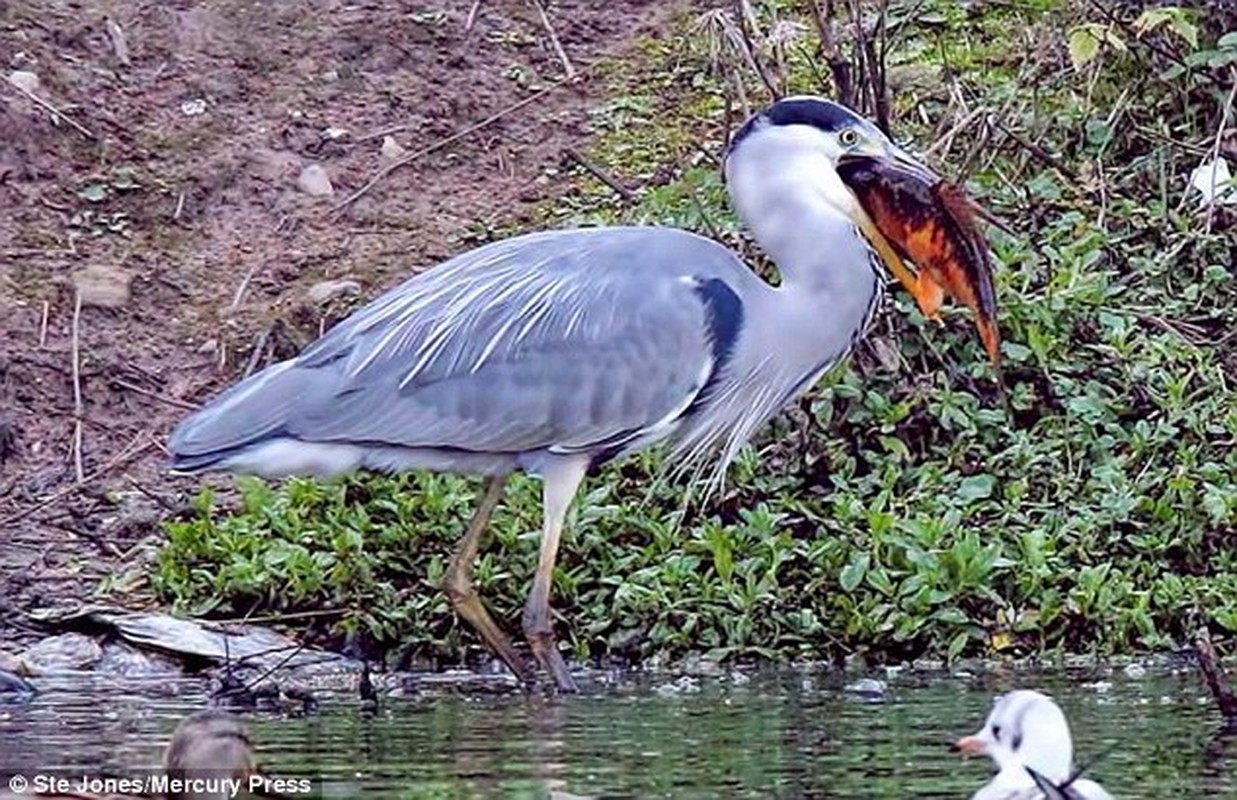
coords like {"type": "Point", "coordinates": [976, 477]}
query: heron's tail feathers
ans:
{"type": "Point", "coordinates": [255, 410]}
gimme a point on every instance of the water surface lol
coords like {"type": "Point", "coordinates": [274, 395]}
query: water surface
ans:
{"type": "Point", "coordinates": [771, 733]}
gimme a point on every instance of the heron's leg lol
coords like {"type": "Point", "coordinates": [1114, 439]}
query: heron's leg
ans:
{"type": "Point", "coordinates": [562, 478]}
{"type": "Point", "coordinates": [457, 583]}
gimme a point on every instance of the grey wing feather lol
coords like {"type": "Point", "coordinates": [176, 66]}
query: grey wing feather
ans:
{"type": "Point", "coordinates": [569, 340]}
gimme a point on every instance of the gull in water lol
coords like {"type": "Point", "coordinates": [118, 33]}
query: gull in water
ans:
{"type": "Point", "coordinates": [1027, 736]}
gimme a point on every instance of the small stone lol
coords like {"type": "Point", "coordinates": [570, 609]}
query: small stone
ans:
{"type": "Point", "coordinates": [1135, 670]}
{"type": "Point", "coordinates": [13, 664]}
{"type": "Point", "coordinates": [314, 181]}
{"type": "Point", "coordinates": [333, 134]}
{"type": "Point", "coordinates": [24, 80]}
{"type": "Point", "coordinates": [68, 651]}
{"type": "Point", "coordinates": [193, 108]}
{"type": "Point", "coordinates": [326, 291]}
{"type": "Point", "coordinates": [392, 149]}
{"type": "Point", "coordinates": [868, 689]}
{"type": "Point", "coordinates": [103, 286]}
{"type": "Point", "coordinates": [209, 347]}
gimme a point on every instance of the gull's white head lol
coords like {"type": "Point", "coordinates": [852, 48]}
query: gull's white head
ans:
{"type": "Point", "coordinates": [1024, 729]}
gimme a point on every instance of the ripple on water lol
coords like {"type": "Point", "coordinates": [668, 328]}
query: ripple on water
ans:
{"type": "Point", "coordinates": [780, 733]}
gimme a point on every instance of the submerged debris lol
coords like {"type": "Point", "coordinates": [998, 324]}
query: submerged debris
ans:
{"type": "Point", "coordinates": [66, 652]}
{"type": "Point", "coordinates": [218, 643]}
{"type": "Point", "coordinates": [14, 688]}
{"type": "Point", "coordinates": [869, 690]}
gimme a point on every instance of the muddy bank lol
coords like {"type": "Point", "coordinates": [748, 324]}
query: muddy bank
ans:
{"type": "Point", "coordinates": [184, 171]}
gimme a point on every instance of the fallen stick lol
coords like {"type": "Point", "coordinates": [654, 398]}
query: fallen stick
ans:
{"type": "Point", "coordinates": [47, 307]}
{"type": "Point", "coordinates": [440, 144]}
{"type": "Point", "coordinates": [68, 490]}
{"type": "Point", "coordinates": [1217, 680]}
{"type": "Point", "coordinates": [558, 46]}
{"type": "Point", "coordinates": [472, 16]}
{"type": "Point", "coordinates": [55, 112]}
{"type": "Point", "coordinates": [171, 401]}
{"type": "Point", "coordinates": [599, 173]}
{"type": "Point", "coordinates": [78, 411]}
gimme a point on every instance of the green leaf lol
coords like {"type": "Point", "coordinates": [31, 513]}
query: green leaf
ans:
{"type": "Point", "coordinates": [958, 644]}
{"type": "Point", "coordinates": [1172, 16]}
{"type": "Point", "coordinates": [1017, 353]}
{"type": "Point", "coordinates": [853, 572]}
{"type": "Point", "coordinates": [976, 487]}
{"type": "Point", "coordinates": [1153, 18]}
{"type": "Point", "coordinates": [879, 580]}
{"type": "Point", "coordinates": [1084, 46]}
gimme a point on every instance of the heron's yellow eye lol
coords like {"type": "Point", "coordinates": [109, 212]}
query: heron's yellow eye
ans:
{"type": "Point", "coordinates": [848, 137]}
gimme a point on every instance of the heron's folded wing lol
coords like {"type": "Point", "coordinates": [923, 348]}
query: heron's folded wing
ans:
{"type": "Point", "coordinates": [570, 341]}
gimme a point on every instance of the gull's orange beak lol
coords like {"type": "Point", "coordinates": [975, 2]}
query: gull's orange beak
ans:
{"type": "Point", "coordinates": [909, 213]}
{"type": "Point", "coordinates": [970, 746]}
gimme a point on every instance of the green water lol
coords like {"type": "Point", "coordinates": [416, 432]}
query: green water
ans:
{"type": "Point", "coordinates": [783, 733]}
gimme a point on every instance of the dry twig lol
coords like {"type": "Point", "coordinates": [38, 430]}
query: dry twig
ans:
{"type": "Point", "coordinates": [55, 112]}
{"type": "Point", "coordinates": [78, 411]}
{"type": "Point", "coordinates": [125, 455]}
{"type": "Point", "coordinates": [1215, 149]}
{"type": "Point", "coordinates": [119, 46]}
{"type": "Point", "coordinates": [558, 46]}
{"type": "Point", "coordinates": [745, 18]}
{"type": "Point", "coordinates": [599, 173]}
{"type": "Point", "coordinates": [171, 401]}
{"type": "Point", "coordinates": [47, 306]}
{"type": "Point", "coordinates": [239, 294]}
{"type": "Point", "coordinates": [440, 144]}
{"type": "Point", "coordinates": [259, 350]}
{"type": "Point", "coordinates": [472, 16]}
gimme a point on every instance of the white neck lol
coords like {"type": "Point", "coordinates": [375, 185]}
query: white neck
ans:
{"type": "Point", "coordinates": [792, 199]}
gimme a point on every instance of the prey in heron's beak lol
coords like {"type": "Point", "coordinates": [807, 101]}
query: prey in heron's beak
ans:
{"type": "Point", "coordinates": [909, 213]}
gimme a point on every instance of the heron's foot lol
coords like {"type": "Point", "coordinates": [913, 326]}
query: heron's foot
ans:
{"type": "Point", "coordinates": [468, 605]}
{"type": "Point", "coordinates": [546, 650]}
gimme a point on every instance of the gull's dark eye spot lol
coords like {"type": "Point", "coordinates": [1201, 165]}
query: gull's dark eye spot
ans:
{"type": "Point", "coordinates": [996, 732]}
{"type": "Point", "coordinates": [848, 137]}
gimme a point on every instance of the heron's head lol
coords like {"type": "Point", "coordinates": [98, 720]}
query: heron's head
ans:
{"type": "Point", "coordinates": [813, 149]}
{"type": "Point", "coordinates": [820, 139]}
{"type": "Point", "coordinates": [1024, 729]}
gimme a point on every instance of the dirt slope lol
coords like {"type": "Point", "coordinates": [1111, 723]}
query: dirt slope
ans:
{"type": "Point", "coordinates": [176, 206]}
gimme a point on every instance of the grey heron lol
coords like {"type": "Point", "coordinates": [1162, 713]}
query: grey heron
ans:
{"type": "Point", "coordinates": [557, 351]}
{"type": "Point", "coordinates": [1027, 737]}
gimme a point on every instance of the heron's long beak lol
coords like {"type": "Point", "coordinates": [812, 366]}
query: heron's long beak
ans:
{"type": "Point", "coordinates": [907, 212]}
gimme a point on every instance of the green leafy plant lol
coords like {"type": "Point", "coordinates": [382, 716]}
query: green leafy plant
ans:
{"type": "Point", "coordinates": [903, 508]}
